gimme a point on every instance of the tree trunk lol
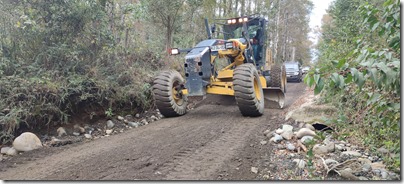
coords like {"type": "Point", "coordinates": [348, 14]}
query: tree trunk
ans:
{"type": "Point", "coordinates": [224, 8]}
{"type": "Point", "coordinates": [242, 11]}
{"type": "Point", "coordinates": [235, 12]}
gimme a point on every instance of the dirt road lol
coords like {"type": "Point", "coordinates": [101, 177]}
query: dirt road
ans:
{"type": "Point", "coordinates": [211, 142]}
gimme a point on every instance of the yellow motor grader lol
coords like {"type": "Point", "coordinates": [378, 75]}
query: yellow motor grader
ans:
{"type": "Point", "coordinates": [251, 76]}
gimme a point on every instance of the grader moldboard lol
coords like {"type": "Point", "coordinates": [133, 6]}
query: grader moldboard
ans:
{"type": "Point", "coordinates": [251, 75]}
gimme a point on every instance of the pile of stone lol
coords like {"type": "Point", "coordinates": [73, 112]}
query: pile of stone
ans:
{"type": "Point", "coordinates": [330, 156]}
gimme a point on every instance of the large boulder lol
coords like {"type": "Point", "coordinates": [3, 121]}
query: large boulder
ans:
{"type": "Point", "coordinates": [27, 141]}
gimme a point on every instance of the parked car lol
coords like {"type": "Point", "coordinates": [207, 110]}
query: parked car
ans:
{"type": "Point", "coordinates": [305, 69]}
{"type": "Point", "coordinates": [293, 71]}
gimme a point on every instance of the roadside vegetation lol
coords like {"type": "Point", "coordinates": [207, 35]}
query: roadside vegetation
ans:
{"type": "Point", "coordinates": [65, 58]}
{"type": "Point", "coordinates": [359, 73]}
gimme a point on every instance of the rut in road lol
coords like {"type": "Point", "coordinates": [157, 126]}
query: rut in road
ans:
{"type": "Point", "coordinates": [194, 146]}
{"type": "Point", "coordinates": [203, 162]}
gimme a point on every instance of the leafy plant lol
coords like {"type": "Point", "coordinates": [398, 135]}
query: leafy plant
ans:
{"type": "Point", "coordinates": [109, 113]}
{"type": "Point", "coordinates": [364, 82]}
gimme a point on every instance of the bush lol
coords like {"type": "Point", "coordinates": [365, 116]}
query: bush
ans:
{"type": "Point", "coordinates": [61, 59]}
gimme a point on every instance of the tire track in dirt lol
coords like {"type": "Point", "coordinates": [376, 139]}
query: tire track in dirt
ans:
{"type": "Point", "coordinates": [203, 162]}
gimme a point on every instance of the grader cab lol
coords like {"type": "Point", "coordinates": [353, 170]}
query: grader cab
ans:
{"type": "Point", "coordinates": [251, 75]}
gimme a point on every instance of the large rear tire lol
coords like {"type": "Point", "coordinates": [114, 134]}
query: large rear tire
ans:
{"type": "Point", "coordinates": [168, 98]}
{"type": "Point", "coordinates": [278, 77]}
{"type": "Point", "coordinates": [248, 90]}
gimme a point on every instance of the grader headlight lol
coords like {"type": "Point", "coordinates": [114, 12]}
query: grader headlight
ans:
{"type": "Point", "coordinates": [229, 45]}
{"type": "Point", "coordinates": [174, 51]}
{"type": "Point", "coordinates": [237, 20]}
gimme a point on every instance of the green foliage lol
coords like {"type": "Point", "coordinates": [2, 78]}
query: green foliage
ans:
{"type": "Point", "coordinates": [362, 77]}
{"type": "Point", "coordinates": [109, 113]}
{"type": "Point", "coordinates": [61, 59]}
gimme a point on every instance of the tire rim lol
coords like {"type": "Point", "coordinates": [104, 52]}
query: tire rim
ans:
{"type": "Point", "coordinates": [176, 95]}
{"type": "Point", "coordinates": [257, 90]}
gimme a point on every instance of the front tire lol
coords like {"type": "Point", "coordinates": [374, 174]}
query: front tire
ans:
{"type": "Point", "coordinates": [248, 90]}
{"type": "Point", "coordinates": [167, 95]}
{"type": "Point", "coordinates": [278, 77]}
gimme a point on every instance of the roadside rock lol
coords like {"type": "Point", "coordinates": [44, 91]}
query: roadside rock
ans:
{"type": "Point", "coordinates": [11, 152]}
{"type": "Point", "coordinates": [79, 129]}
{"type": "Point", "coordinates": [61, 131]}
{"type": "Point", "coordinates": [305, 131]}
{"type": "Point", "coordinates": [348, 175]}
{"type": "Point", "coordinates": [270, 134]}
{"type": "Point", "coordinates": [263, 142]}
{"type": "Point", "coordinates": [108, 132]}
{"type": "Point", "coordinates": [329, 161]}
{"type": "Point", "coordinates": [110, 124]}
{"type": "Point", "coordinates": [137, 115]}
{"type": "Point", "coordinates": [376, 172]}
{"type": "Point", "coordinates": [120, 118]}
{"type": "Point", "coordinates": [309, 126]}
{"type": "Point", "coordinates": [287, 134]}
{"type": "Point", "coordinates": [58, 142]}
{"type": "Point", "coordinates": [76, 133]}
{"type": "Point", "coordinates": [27, 141]}
{"type": "Point", "coordinates": [287, 128]}
{"type": "Point", "coordinates": [88, 136]}
{"type": "Point", "coordinates": [254, 170]}
{"type": "Point", "coordinates": [320, 149]}
{"type": "Point", "coordinates": [153, 118]}
{"type": "Point", "coordinates": [277, 138]}
{"type": "Point", "coordinates": [384, 174]}
{"type": "Point", "coordinates": [306, 139]}
{"type": "Point", "coordinates": [364, 161]}
{"type": "Point", "coordinates": [351, 153]}
{"type": "Point", "coordinates": [281, 146]}
{"type": "Point", "coordinates": [279, 131]}
{"type": "Point", "coordinates": [330, 147]}
{"type": "Point", "coordinates": [266, 132]}
{"type": "Point", "coordinates": [300, 163]}
{"type": "Point", "coordinates": [377, 165]}
{"type": "Point", "coordinates": [366, 167]}
{"type": "Point", "coordinates": [144, 122]}
{"type": "Point", "coordinates": [290, 147]}
{"type": "Point", "coordinates": [4, 150]}
{"type": "Point", "coordinates": [339, 147]}
{"type": "Point", "coordinates": [327, 141]}
{"type": "Point", "coordinates": [383, 150]}
{"type": "Point", "coordinates": [133, 124]}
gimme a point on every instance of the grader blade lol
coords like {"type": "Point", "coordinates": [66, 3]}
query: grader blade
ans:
{"type": "Point", "coordinates": [274, 98]}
